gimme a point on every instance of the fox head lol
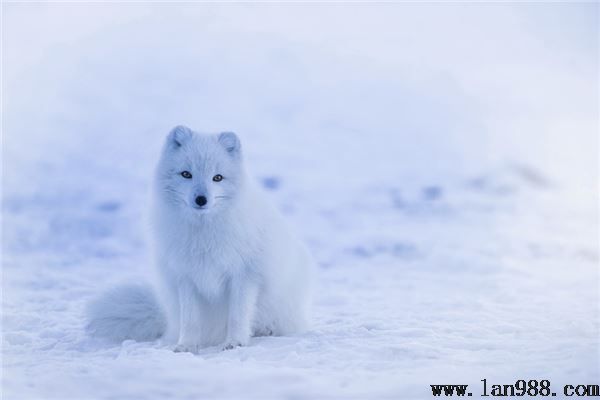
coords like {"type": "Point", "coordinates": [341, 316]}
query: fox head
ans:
{"type": "Point", "coordinates": [200, 173]}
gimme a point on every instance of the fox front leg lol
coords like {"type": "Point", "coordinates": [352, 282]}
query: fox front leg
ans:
{"type": "Point", "coordinates": [242, 306]}
{"type": "Point", "coordinates": [189, 319]}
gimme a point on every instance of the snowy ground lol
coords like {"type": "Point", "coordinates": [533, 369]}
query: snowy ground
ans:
{"type": "Point", "coordinates": [440, 160]}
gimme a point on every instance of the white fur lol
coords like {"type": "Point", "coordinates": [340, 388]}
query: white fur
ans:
{"type": "Point", "coordinates": [126, 312]}
{"type": "Point", "coordinates": [227, 270]}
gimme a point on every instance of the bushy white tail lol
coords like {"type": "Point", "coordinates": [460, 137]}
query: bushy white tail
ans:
{"type": "Point", "coordinates": [126, 312]}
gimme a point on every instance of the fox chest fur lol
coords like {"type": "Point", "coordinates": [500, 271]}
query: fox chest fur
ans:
{"type": "Point", "coordinates": [210, 254]}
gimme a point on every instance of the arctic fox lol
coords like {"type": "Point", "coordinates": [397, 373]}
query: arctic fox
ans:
{"type": "Point", "coordinates": [228, 267]}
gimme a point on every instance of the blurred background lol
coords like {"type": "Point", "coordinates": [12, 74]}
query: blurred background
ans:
{"type": "Point", "coordinates": [440, 160]}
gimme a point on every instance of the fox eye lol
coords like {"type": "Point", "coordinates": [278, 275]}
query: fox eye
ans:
{"type": "Point", "coordinates": [186, 174]}
{"type": "Point", "coordinates": [218, 178]}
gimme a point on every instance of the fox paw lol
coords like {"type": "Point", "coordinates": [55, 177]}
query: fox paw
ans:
{"type": "Point", "coordinates": [229, 345]}
{"type": "Point", "coordinates": [186, 348]}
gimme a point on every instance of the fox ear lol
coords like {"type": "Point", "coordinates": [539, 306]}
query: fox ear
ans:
{"type": "Point", "coordinates": [230, 141]}
{"type": "Point", "coordinates": [179, 135]}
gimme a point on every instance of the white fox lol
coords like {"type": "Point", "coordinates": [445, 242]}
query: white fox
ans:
{"type": "Point", "coordinates": [228, 267]}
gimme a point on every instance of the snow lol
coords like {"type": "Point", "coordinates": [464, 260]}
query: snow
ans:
{"type": "Point", "coordinates": [440, 160]}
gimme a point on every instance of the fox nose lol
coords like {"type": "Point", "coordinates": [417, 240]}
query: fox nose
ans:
{"type": "Point", "coordinates": [201, 200]}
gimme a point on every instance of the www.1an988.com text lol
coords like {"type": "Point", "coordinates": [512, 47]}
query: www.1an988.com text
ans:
{"type": "Point", "coordinates": [529, 388]}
